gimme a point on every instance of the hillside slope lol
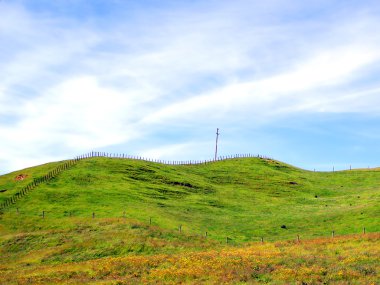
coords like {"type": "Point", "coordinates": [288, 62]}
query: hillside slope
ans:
{"type": "Point", "coordinates": [243, 199]}
{"type": "Point", "coordinates": [342, 260]}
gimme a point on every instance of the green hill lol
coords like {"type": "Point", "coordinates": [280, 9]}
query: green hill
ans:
{"type": "Point", "coordinates": [243, 199]}
{"type": "Point", "coordinates": [124, 221]}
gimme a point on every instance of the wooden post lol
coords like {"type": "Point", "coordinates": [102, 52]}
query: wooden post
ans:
{"type": "Point", "coordinates": [262, 240]}
{"type": "Point", "coordinates": [150, 220]}
{"type": "Point", "coordinates": [364, 230]}
{"type": "Point", "coordinates": [43, 214]}
{"type": "Point", "coordinates": [93, 215]}
{"type": "Point", "coordinates": [180, 228]}
{"type": "Point", "coordinates": [332, 233]}
{"type": "Point", "coordinates": [216, 144]}
{"type": "Point", "coordinates": [206, 234]}
{"type": "Point", "coordinates": [298, 238]}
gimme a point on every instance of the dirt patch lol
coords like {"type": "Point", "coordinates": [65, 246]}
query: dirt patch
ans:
{"type": "Point", "coordinates": [21, 177]}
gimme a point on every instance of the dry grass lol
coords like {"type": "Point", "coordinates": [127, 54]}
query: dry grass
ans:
{"type": "Point", "coordinates": [340, 260]}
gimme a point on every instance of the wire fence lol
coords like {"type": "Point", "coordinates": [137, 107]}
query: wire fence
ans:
{"type": "Point", "coordinates": [169, 162]}
{"type": "Point", "coordinates": [191, 230]}
{"type": "Point", "coordinates": [36, 182]}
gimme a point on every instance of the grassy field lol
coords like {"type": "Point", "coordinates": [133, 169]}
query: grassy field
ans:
{"type": "Point", "coordinates": [116, 210]}
{"type": "Point", "coordinates": [342, 260]}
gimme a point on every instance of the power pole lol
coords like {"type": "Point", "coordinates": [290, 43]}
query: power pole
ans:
{"type": "Point", "coordinates": [216, 144]}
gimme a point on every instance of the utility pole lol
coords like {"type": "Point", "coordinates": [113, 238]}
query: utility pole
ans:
{"type": "Point", "coordinates": [216, 144]}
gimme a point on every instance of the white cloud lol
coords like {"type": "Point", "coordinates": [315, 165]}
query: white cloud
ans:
{"type": "Point", "coordinates": [286, 92]}
{"type": "Point", "coordinates": [71, 86]}
{"type": "Point", "coordinates": [77, 114]}
{"type": "Point", "coordinates": [169, 152]}
{"type": "Point", "coordinates": [364, 101]}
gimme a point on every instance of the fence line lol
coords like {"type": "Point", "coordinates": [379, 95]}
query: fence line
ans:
{"type": "Point", "coordinates": [167, 162]}
{"type": "Point", "coordinates": [184, 162]}
{"type": "Point", "coordinates": [230, 238]}
{"type": "Point", "coordinates": [37, 181]}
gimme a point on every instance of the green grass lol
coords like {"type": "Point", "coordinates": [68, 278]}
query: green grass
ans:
{"type": "Point", "coordinates": [9, 185]}
{"type": "Point", "coordinates": [86, 240]}
{"type": "Point", "coordinates": [139, 206]}
{"type": "Point", "coordinates": [243, 199]}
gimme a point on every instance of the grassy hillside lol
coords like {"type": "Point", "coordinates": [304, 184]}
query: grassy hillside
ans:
{"type": "Point", "coordinates": [116, 221]}
{"type": "Point", "coordinates": [9, 185]}
{"type": "Point", "coordinates": [243, 199]}
{"type": "Point", "coordinates": [342, 260]}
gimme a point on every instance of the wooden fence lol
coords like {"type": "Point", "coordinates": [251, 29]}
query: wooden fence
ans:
{"type": "Point", "coordinates": [168, 162]}
{"type": "Point", "coordinates": [37, 181]}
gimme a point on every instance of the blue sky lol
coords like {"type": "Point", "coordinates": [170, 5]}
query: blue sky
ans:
{"type": "Point", "coordinates": [294, 80]}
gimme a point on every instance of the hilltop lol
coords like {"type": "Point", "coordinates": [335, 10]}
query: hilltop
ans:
{"type": "Point", "coordinates": [123, 221]}
{"type": "Point", "coordinates": [243, 199]}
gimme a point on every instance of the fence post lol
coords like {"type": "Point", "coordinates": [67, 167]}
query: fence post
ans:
{"type": "Point", "coordinates": [262, 240]}
{"type": "Point", "coordinates": [332, 233]}
{"type": "Point", "coordinates": [43, 214]}
{"type": "Point", "coordinates": [364, 230]}
{"type": "Point", "coordinates": [298, 238]}
{"type": "Point", "coordinates": [93, 215]}
{"type": "Point", "coordinates": [180, 228]}
{"type": "Point", "coordinates": [205, 234]}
